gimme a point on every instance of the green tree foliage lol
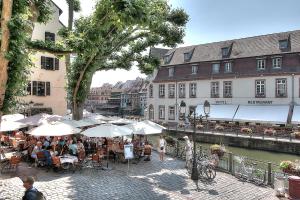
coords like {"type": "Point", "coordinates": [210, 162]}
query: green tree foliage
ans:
{"type": "Point", "coordinates": [117, 35]}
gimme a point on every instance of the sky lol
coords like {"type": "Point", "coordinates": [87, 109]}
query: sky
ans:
{"type": "Point", "coordinates": [212, 21]}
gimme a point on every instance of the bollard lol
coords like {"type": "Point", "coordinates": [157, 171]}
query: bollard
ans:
{"type": "Point", "coordinates": [269, 173]}
{"type": "Point", "coordinates": [230, 160]}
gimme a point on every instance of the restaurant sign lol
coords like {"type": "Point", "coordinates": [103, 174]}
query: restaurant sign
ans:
{"type": "Point", "coordinates": [128, 151]}
{"type": "Point", "coordinates": [260, 102]}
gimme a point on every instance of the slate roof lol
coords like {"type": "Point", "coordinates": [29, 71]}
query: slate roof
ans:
{"type": "Point", "coordinates": [246, 47]}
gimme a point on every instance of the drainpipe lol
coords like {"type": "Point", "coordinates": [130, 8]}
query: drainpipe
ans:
{"type": "Point", "coordinates": [293, 89]}
{"type": "Point", "coordinates": [176, 103]}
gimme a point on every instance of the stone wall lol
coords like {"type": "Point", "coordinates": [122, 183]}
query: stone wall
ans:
{"type": "Point", "coordinates": [244, 142]}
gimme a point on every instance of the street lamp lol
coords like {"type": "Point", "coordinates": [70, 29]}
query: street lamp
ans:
{"type": "Point", "coordinates": [206, 109]}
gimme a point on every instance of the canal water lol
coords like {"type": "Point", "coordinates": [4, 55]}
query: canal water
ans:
{"type": "Point", "coordinates": [266, 156]}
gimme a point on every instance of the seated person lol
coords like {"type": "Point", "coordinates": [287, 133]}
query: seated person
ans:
{"type": "Point", "coordinates": [147, 151]}
{"type": "Point", "coordinates": [64, 150]}
{"type": "Point", "coordinates": [37, 148]}
{"type": "Point", "coordinates": [73, 148]}
{"type": "Point", "coordinates": [46, 144]}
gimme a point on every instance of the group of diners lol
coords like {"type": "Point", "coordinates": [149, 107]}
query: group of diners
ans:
{"type": "Point", "coordinates": [50, 151]}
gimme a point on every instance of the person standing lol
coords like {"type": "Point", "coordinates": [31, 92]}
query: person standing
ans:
{"type": "Point", "coordinates": [162, 147]}
{"type": "Point", "coordinates": [188, 152]}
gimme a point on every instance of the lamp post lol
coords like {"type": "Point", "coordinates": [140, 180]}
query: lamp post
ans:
{"type": "Point", "coordinates": [206, 109]}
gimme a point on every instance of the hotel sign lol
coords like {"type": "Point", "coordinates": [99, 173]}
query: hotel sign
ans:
{"type": "Point", "coordinates": [260, 102]}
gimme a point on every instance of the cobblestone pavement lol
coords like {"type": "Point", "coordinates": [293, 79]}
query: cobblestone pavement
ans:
{"type": "Point", "coordinates": [145, 180]}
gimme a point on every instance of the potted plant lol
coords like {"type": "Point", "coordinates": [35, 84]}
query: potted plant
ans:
{"type": "Point", "coordinates": [286, 166]}
{"type": "Point", "coordinates": [181, 125]}
{"type": "Point", "coordinates": [217, 149]}
{"type": "Point", "coordinates": [296, 134]}
{"type": "Point", "coordinates": [170, 140]}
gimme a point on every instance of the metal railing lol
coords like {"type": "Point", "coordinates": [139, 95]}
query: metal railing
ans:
{"type": "Point", "coordinates": [229, 162]}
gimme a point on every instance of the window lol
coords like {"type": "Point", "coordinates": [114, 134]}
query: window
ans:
{"type": "Point", "coordinates": [167, 58]}
{"type": "Point", "coordinates": [276, 62]}
{"type": "Point", "coordinates": [261, 64]}
{"type": "Point", "coordinates": [283, 44]}
{"type": "Point", "coordinates": [171, 71]}
{"type": "Point", "coordinates": [49, 63]}
{"type": "Point", "coordinates": [191, 110]}
{"type": "Point", "coordinates": [49, 37]}
{"type": "Point", "coordinates": [171, 112]}
{"type": "Point", "coordinates": [29, 88]}
{"type": "Point", "coordinates": [225, 51]}
{"type": "Point", "coordinates": [193, 89]}
{"type": "Point", "coordinates": [181, 90]}
{"type": "Point", "coordinates": [40, 88]}
{"type": "Point", "coordinates": [281, 87]}
{"type": "Point", "coordinates": [161, 91]}
{"type": "Point", "coordinates": [227, 90]}
{"type": "Point", "coordinates": [161, 112]}
{"type": "Point", "coordinates": [151, 91]}
{"type": "Point", "coordinates": [260, 88]}
{"type": "Point", "coordinates": [151, 112]}
{"type": "Point", "coordinates": [214, 89]}
{"type": "Point", "coordinates": [194, 69]}
{"type": "Point", "coordinates": [215, 68]}
{"type": "Point", "coordinates": [228, 67]}
{"type": "Point", "coordinates": [171, 89]}
{"type": "Point", "coordinates": [187, 56]}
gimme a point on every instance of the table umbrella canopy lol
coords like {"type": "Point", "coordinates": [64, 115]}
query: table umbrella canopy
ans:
{"type": "Point", "coordinates": [81, 123]}
{"type": "Point", "coordinates": [39, 119]}
{"type": "Point", "coordinates": [11, 126]}
{"type": "Point", "coordinates": [153, 124]}
{"type": "Point", "coordinates": [107, 130]}
{"type": "Point", "coordinates": [12, 117]}
{"type": "Point", "coordinates": [54, 129]}
{"type": "Point", "coordinates": [98, 117]}
{"type": "Point", "coordinates": [143, 128]}
{"type": "Point", "coordinates": [121, 121]}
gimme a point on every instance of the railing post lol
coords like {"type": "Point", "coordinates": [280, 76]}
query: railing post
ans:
{"type": "Point", "coordinates": [177, 148]}
{"type": "Point", "coordinates": [200, 150]}
{"type": "Point", "coordinates": [230, 160]}
{"type": "Point", "coordinates": [269, 173]}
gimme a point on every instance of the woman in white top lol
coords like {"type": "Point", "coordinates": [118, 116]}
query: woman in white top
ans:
{"type": "Point", "coordinates": [162, 147]}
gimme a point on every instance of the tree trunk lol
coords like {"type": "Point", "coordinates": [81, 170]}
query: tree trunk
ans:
{"type": "Point", "coordinates": [78, 111]}
{"type": "Point", "coordinates": [6, 15]}
{"type": "Point", "coordinates": [68, 57]}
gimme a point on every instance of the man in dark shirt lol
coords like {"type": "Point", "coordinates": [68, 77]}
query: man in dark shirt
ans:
{"type": "Point", "coordinates": [31, 193]}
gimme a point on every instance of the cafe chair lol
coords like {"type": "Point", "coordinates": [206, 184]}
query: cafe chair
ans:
{"type": "Point", "coordinates": [11, 165]}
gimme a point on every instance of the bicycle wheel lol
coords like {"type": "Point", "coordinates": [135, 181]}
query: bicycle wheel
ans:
{"type": "Point", "coordinates": [209, 172]}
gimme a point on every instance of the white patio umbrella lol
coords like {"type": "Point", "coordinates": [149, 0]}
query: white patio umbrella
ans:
{"type": "Point", "coordinates": [153, 124]}
{"type": "Point", "coordinates": [54, 129]}
{"type": "Point", "coordinates": [11, 126]}
{"type": "Point", "coordinates": [38, 119]}
{"type": "Point", "coordinates": [12, 117]}
{"type": "Point", "coordinates": [142, 128]}
{"type": "Point", "coordinates": [107, 130]}
{"type": "Point", "coordinates": [81, 123]}
{"type": "Point", "coordinates": [121, 121]}
{"type": "Point", "coordinates": [98, 117]}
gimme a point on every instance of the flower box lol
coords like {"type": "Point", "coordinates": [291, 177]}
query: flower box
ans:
{"type": "Point", "coordinates": [181, 125]}
{"type": "Point", "coordinates": [269, 132]}
{"type": "Point", "coordinates": [246, 130]}
{"type": "Point", "coordinates": [219, 127]}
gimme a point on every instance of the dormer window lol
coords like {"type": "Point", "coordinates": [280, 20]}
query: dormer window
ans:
{"type": "Point", "coordinates": [225, 51]}
{"type": "Point", "coordinates": [187, 57]}
{"type": "Point", "coordinates": [194, 69]}
{"type": "Point", "coordinates": [171, 71]}
{"type": "Point", "coordinates": [283, 44]}
{"type": "Point", "coordinates": [167, 58]}
{"type": "Point", "coordinates": [215, 68]}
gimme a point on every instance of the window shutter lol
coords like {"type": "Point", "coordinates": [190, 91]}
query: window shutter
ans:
{"type": "Point", "coordinates": [48, 89]}
{"type": "Point", "coordinates": [56, 64]}
{"type": "Point", "coordinates": [43, 62]}
{"type": "Point", "coordinates": [34, 87]}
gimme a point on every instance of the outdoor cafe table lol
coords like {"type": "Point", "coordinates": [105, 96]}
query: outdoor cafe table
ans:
{"type": "Point", "coordinates": [68, 159]}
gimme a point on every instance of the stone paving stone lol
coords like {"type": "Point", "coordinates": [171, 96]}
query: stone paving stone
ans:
{"type": "Point", "coordinates": [145, 180]}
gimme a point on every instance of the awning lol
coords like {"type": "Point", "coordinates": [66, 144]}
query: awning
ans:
{"type": "Point", "coordinates": [218, 112]}
{"type": "Point", "coordinates": [296, 115]}
{"type": "Point", "coordinates": [275, 114]}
